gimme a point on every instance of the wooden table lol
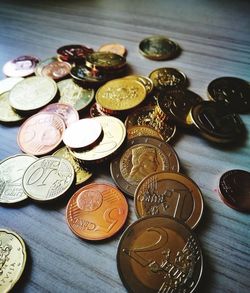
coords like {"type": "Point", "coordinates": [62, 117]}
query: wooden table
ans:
{"type": "Point", "coordinates": [214, 36]}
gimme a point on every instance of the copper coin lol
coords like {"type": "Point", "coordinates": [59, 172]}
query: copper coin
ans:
{"type": "Point", "coordinates": [21, 66]}
{"type": "Point", "coordinates": [113, 48]}
{"type": "Point", "coordinates": [96, 111]}
{"type": "Point", "coordinates": [169, 194]}
{"type": "Point", "coordinates": [234, 187]}
{"type": "Point", "coordinates": [73, 53]}
{"type": "Point", "coordinates": [142, 156]}
{"type": "Point", "coordinates": [66, 111]}
{"type": "Point", "coordinates": [159, 254]}
{"type": "Point", "coordinates": [235, 92]}
{"type": "Point", "coordinates": [56, 70]}
{"type": "Point", "coordinates": [96, 211]}
{"type": "Point", "coordinates": [41, 133]}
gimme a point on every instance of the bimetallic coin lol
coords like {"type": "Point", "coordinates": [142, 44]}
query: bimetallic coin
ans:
{"type": "Point", "coordinates": [114, 133]}
{"type": "Point", "coordinates": [159, 254]}
{"type": "Point", "coordinates": [113, 48]}
{"type": "Point", "coordinates": [82, 173]}
{"type": "Point", "coordinates": [146, 81]}
{"type": "Point", "coordinates": [12, 259]}
{"type": "Point", "coordinates": [56, 70]}
{"type": "Point", "coordinates": [8, 83]}
{"type": "Point", "coordinates": [120, 94]}
{"type": "Point", "coordinates": [48, 178]}
{"type": "Point", "coordinates": [11, 174]}
{"type": "Point", "coordinates": [74, 95]}
{"type": "Point", "coordinates": [169, 194]}
{"type": "Point", "coordinates": [142, 156]}
{"type": "Point", "coordinates": [235, 92]}
{"type": "Point", "coordinates": [136, 131]}
{"type": "Point", "coordinates": [158, 48]}
{"type": "Point", "coordinates": [73, 53]}
{"type": "Point", "coordinates": [41, 133]}
{"type": "Point", "coordinates": [234, 189]}
{"type": "Point", "coordinates": [168, 78]}
{"type": "Point", "coordinates": [32, 93]}
{"type": "Point", "coordinates": [82, 134]}
{"type": "Point", "coordinates": [21, 66]}
{"type": "Point", "coordinates": [7, 114]}
{"type": "Point", "coordinates": [105, 61]}
{"type": "Point", "coordinates": [96, 211]}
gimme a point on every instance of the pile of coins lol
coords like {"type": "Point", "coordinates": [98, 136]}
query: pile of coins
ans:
{"type": "Point", "coordinates": [129, 125]}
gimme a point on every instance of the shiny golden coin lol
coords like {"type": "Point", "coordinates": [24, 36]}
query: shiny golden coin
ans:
{"type": "Point", "coordinates": [146, 81]}
{"type": "Point", "coordinates": [120, 94]}
{"type": "Point", "coordinates": [113, 48]}
{"type": "Point", "coordinates": [114, 133]}
{"type": "Point", "coordinates": [82, 173]}
{"type": "Point", "coordinates": [12, 259]}
{"type": "Point", "coordinates": [74, 95]}
{"type": "Point", "coordinates": [48, 178]}
{"type": "Point", "coordinates": [11, 174]}
{"type": "Point", "coordinates": [7, 114]}
{"type": "Point", "coordinates": [169, 194]}
{"type": "Point", "coordinates": [32, 93]}
{"type": "Point", "coordinates": [159, 254]}
{"type": "Point", "coordinates": [8, 83]}
{"type": "Point", "coordinates": [105, 61]}
{"type": "Point", "coordinates": [135, 131]}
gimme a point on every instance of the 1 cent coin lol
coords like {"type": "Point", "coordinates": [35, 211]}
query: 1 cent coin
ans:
{"type": "Point", "coordinates": [56, 70]}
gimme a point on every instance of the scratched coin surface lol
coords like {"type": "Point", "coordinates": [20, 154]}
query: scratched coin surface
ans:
{"type": "Point", "coordinates": [142, 130]}
{"type": "Point", "coordinates": [169, 194]}
{"type": "Point", "coordinates": [113, 48]}
{"type": "Point", "coordinates": [11, 174]}
{"type": "Point", "coordinates": [159, 254]}
{"type": "Point", "coordinates": [7, 114]}
{"type": "Point", "coordinates": [234, 189]}
{"type": "Point", "coordinates": [41, 133]}
{"type": "Point", "coordinates": [48, 178]}
{"type": "Point", "coordinates": [8, 83]}
{"type": "Point", "coordinates": [12, 259]}
{"type": "Point", "coordinates": [96, 211]}
{"type": "Point", "coordinates": [32, 93]}
{"type": "Point", "coordinates": [141, 157]}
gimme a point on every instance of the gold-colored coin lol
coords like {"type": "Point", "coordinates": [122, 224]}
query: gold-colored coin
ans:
{"type": "Point", "coordinates": [32, 93]}
{"type": "Point", "coordinates": [11, 174]}
{"type": "Point", "coordinates": [7, 114]}
{"type": "Point", "coordinates": [75, 95]}
{"type": "Point", "coordinates": [105, 61]}
{"type": "Point", "coordinates": [142, 130]}
{"type": "Point", "coordinates": [8, 83]}
{"type": "Point", "coordinates": [146, 81]}
{"type": "Point", "coordinates": [82, 173]}
{"type": "Point", "coordinates": [113, 48]}
{"type": "Point", "coordinates": [121, 94]}
{"type": "Point", "coordinates": [48, 178]}
{"type": "Point", "coordinates": [12, 259]}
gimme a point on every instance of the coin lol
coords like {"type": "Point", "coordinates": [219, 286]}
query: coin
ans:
{"type": "Point", "coordinates": [21, 66]}
{"type": "Point", "coordinates": [56, 70]}
{"type": "Point", "coordinates": [73, 53]}
{"type": "Point", "coordinates": [158, 48]}
{"type": "Point", "coordinates": [106, 61]}
{"type": "Point", "coordinates": [135, 131]}
{"type": "Point", "coordinates": [159, 254]}
{"type": "Point", "coordinates": [146, 81]}
{"type": "Point", "coordinates": [141, 157]}
{"type": "Point", "coordinates": [41, 133]}
{"type": "Point", "coordinates": [7, 114]}
{"type": "Point", "coordinates": [82, 134]}
{"type": "Point", "coordinates": [235, 92]}
{"type": "Point", "coordinates": [12, 259]}
{"type": "Point", "coordinates": [216, 123]}
{"type": "Point", "coordinates": [169, 194]}
{"type": "Point", "coordinates": [11, 173]}
{"type": "Point", "coordinates": [74, 95]}
{"type": "Point", "coordinates": [96, 111]}
{"type": "Point", "coordinates": [113, 48]}
{"type": "Point", "coordinates": [114, 133]}
{"type": "Point", "coordinates": [66, 111]}
{"type": "Point", "coordinates": [166, 78]}
{"type": "Point", "coordinates": [234, 189]}
{"type": "Point", "coordinates": [120, 94]}
{"type": "Point", "coordinates": [42, 64]}
{"type": "Point", "coordinates": [48, 178]}
{"type": "Point", "coordinates": [32, 93]}
{"type": "Point", "coordinates": [96, 211]}
{"type": "Point", "coordinates": [8, 83]}
{"type": "Point", "coordinates": [82, 173]}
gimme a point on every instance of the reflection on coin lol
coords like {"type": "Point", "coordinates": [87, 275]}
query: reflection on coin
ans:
{"type": "Point", "coordinates": [142, 156]}
{"type": "Point", "coordinates": [142, 130]}
{"type": "Point", "coordinates": [96, 211]}
{"type": "Point", "coordinates": [56, 70]}
{"type": "Point", "coordinates": [11, 174]}
{"type": "Point", "coordinates": [48, 178]}
{"type": "Point", "coordinates": [32, 93]}
{"type": "Point", "coordinates": [159, 254]}
{"type": "Point", "coordinates": [95, 111]}
{"type": "Point", "coordinates": [146, 81]}
{"type": "Point", "coordinates": [169, 194]}
{"type": "Point", "coordinates": [12, 259]}
{"type": "Point", "coordinates": [105, 61]}
{"type": "Point", "coordinates": [41, 133]}
{"type": "Point", "coordinates": [8, 83]}
{"type": "Point", "coordinates": [113, 48]}
{"type": "Point", "coordinates": [42, 64]}
{"type": "Point", "coordinates": [73, 53]}
{"type": "Point", "coordinates": [82, 173]}
{"type": "Point", "coordinates": [234, 187]}
{"type": "Point", "coordinates": [7, 114]}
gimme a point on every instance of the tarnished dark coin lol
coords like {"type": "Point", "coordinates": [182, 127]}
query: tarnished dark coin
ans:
{"type": "Point", "coordinates": [142, 156]}
{"type": "Point", "coordinates": [159, 254]}
{"type": "Point", "coordinates": [235, 92]}
{"type": "Point", "coordinates": [216, 122]}
{"type": "Point", "coordinates": [169, 194]}
{"type": "Point", "coordinates": [73, 53]}
{"type": "Point", "coordinates": [105, 61]}
{"type": "Point", "coordinates": [158, 48]}
{"type": "Point", "coordinates": [234, 188]}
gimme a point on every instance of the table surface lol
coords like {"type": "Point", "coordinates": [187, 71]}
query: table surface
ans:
{"type": "Point", "coordinates": [214, 37]}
